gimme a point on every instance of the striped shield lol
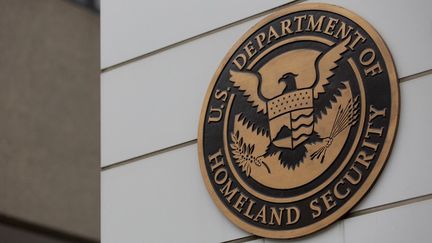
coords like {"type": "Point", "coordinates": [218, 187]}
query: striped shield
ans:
{"type": "Point", "coordinates": [291, 118]}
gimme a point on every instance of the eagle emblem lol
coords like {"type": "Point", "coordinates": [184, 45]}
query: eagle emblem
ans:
{"type": "Point", "coordinates": [286, 91]}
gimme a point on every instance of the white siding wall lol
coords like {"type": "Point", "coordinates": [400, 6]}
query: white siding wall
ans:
{"type": "Point", "coordinates": [153, 102]}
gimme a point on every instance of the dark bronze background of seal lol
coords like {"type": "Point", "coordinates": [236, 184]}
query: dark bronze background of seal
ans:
{"type": "Point", "coordinates": [298, 121]}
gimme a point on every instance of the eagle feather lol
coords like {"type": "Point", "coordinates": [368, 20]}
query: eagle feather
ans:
{"type": "Point", "coordinates": [248, 83]}
{"type": "Point", "coordinates": [327, 63]}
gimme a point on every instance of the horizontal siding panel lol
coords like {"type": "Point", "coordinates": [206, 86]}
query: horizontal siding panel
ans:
{"type": "Point", "coordinates": [409, 223]}
{"type": "Point", "coordinates": [143, 200]}
{"type": "Point", "coordinates": [332, 234]}
{"type": "Point", "coordinates": [256, 241]}
{"type": "Point", "coordinates": [130, 28]}
{"type": "Point", "coordinates": [154, 103]}
{"type": "Point", "coordinates": [161, 199]}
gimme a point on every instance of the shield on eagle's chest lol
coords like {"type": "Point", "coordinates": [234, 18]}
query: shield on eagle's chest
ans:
{"type": "Point", "coordinates": [291, 118]}
{"type": "Point", "coordinates": [288, 83]}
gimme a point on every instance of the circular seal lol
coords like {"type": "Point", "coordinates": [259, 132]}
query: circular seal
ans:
{"type": "Point", "coordinates": [298, 121]}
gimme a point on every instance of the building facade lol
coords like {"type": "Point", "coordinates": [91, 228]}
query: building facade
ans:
{"type": "Point", "coordinates": [156, 63]}
{"type": "Point", "coordinates": [49, 109]}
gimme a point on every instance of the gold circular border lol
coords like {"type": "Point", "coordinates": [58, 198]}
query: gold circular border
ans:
{"type": "Point", "coordinates": [383, 156]}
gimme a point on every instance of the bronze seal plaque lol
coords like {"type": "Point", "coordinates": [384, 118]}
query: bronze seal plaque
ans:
{"type": "Point", "coordinates": [298, 121]}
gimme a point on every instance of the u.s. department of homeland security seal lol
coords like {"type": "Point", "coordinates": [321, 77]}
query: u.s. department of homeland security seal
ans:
{"type": "Point", "coordinates": [298, 121]}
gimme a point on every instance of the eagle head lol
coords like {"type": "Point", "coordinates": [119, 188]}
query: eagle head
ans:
{"type": "Point", "coordinates": [278, 73]}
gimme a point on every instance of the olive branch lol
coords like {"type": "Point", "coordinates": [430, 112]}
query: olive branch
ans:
{"type": "Point", "coordinates": [242, 153]}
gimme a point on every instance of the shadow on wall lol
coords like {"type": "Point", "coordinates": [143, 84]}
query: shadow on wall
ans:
{"type": "Point", "coordinates": [93, 5]}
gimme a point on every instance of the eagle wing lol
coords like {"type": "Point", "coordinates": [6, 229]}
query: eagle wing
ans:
{"type": "Point", "coordinates": [327, 64]}
{"type": "Point", "coordinates": [248, 83]}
